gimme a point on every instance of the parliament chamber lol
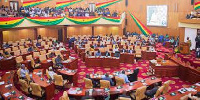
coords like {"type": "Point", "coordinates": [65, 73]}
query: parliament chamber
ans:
{"type": "Point", "coordinates": [99, 50]}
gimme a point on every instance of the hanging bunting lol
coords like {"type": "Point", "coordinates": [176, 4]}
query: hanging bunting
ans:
{"type": "Point", "coordinates": [113, 19]}
{"type": "Point", "coordinates": [141, 26]}
{"type": "Point", "coordinates": [33, 3]}
{"type": "Point", "coordinates": [10, 22]}
{"type": "Point", "coordinates": [83, 20]}
{"type": "Point", "coordinates": [46, 20]}
{"type": "Point", "coordinates": [197, 5]}
{"type": "Point", "coordinates": [107, 3]}
{"type": "Point", "coordinates": [66, 3]}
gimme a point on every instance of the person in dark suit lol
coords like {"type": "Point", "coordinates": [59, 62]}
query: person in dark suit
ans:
{"type": "Point", "coordinates": [30, 49]}
{"type": "Point", "coordinates": [134, 76]}
{"type": "Point", "coordinates": [38, 44]}
{"type": "Point", "coordinates": [123, 50]}
{"type": "Point", "coordinates": [197, 40]}
{"type": "Point", "coordinates": [198, 53]}
{"type": "Point", "coordinates": [58, 61]}
{"type": "Point", "coordinates": [107, 54]}
{"type": "Point", "coordinates": [98, 53]}
{"type": "Point", "coordinates": [152, 92]}
{"type": "Point", "coordinates": [87, 96]}
{"type": "Point", "coordinates": [95, 83]}
{"type": "Point", "coordinates": [108, 79]}
{"type": "Point", "coordinates": [131, 51]}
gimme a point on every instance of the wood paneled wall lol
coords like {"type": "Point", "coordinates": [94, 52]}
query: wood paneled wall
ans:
{"type": "Point", "coordinates": [48, 32]}
{"type": "Point", "coordinates": [15, 35]}
{"type": "Point", "coordinates": [79, 30]}
{"type": "Point", "coordinates": [106, 30]}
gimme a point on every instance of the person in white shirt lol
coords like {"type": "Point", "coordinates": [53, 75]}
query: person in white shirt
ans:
{"type": "Point", "coordinates": [51, 73]}
{"type": "Point", "coordinates": [115, 48]}
{"type": "Point", "coordinates": [23, 71]}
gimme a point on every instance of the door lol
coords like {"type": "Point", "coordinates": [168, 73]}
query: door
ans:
{"type": "Point", "coordinates": [60, 35]}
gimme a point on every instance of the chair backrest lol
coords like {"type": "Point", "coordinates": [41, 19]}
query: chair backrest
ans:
{"type": "Point", "coordinates": [43, 52]}
{"type": "Point", "coordinates": [46, 46]}
{"type": "Point", "coordinates": [140, 93]}
{"type": "Point", "coordinates": [29, 57]}
{"type": "Point", "coordinates": [28, 77]}
{"type": "Point", "coordinates": [64, 96]}
{"type": "Point", "coordinates": [43, 43]}
{"type": "Point", "coordinates": [21, 47]}
{"type": "Point", "coordinates": [166, 86]}
{"type": "Point", "coordinates": [58, 80]}
{"type": "Point", "coordinates": [42, 57]}
{"type": "Point", "coordinates": [104, 84]}
{"type": "Point", "coordinates": [19, 59]}
{"type": "Point", "coordinates": [24, 51]}
{"type": "Point", "coordinates": [18, 73]}
{"type": "Point", "coordinates": [137, 47]}
{"type": "Point", "coordinates": [8, 50]}
{"type": "Point", "coordinates": [14, 48]}
{"type": "Point", "coordinates": [88, 83]}
{"type": "Point", "coordinates": [21, 43]}
{"type": "Point", "coordinates": [36, 54]}
{"type": "Point", "coordinates": [17, 53]}
{"type": "Point", "coordinates": [57, 52]}
{"type": "Point", "coordinates": [36, 89]}
{"type": "Point", "coordinates": [159, 91]}
{"type": "Point", "coordinates": [47, 73]}
{"type": "Point", "coordinates": [24, 85]}
{"type": "Point", "coordinates": [14, 44]}
{"type": "Point", "coordinates": [119, 81]}
{"type": "Point", "coordinates": [144, 48]}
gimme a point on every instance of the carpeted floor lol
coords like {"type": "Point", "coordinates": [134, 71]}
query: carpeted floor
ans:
{"type": "Point", "coordinates": [141, 64]}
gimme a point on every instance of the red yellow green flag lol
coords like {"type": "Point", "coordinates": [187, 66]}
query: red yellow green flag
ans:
{"type": "Point", "coordinates": [197, 5]}
{"type": "Point", "coordinates": [141, 26]}
{"type": "Point", "coordinates": [10, 22]}
{"type": "Point", "coordinates": [107, 3]}
{"type": "Point", "coordinates": [46, 20]}
{"type": "Point", "coordinates": [62, 4]}
{"type": "Point", "coordinates": [83, 20]}
{"type": "Point", "coordinates": [33, 3]}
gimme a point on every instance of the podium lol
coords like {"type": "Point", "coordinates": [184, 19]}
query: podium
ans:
{"type": "Point", "coordinates": [184, 48]}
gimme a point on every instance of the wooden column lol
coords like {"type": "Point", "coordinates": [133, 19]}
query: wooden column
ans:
{"type": "Point", "coordinates": [35, 33]}
{"type": "Point", "coordinates": [65, 34]}
{"type": "Point", "coordinates": [92, 30]}
{"type": "Point", "coordinates": [1, 38]}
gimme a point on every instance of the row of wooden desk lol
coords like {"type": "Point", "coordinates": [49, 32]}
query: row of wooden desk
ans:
{"type": "Point", "coordinates": [176, 68]}
{"type": "Point", "coordinates": [11, 92]}
{"type": "Point", "coordinates": [177, 95]}
{"type": "Point", "coordinates": [113, 90]}
{"type": "Point", "coordinates": [102, 62]}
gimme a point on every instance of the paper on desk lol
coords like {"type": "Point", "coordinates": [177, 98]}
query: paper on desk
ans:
{"type": "Point", "coordinates": [8, 85]}
{"type": "Point", "coordinates": [7, 72]}
{"type": "Point", "coordinates": [48, 60]}
{"type": "Point", "coordinates": [7, 94]}
{"type": "Point", "coordinates": [198, 84]}
{"type": "Point", "coordinates": [2, 83]}
{"type": "Point", "coordinates": [190, 89]}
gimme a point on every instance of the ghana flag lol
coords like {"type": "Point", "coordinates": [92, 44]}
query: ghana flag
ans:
{"type": "Point", "coordinates": [197, 5]}
{"type": "Point", "coordinates": [10, 22]}
{"type": "Point", "coordinates": [107, 3]}
{"type": "Point", "coordinates": [141, 26]}
{"type": "Point", "coordinates": [113, 19]}
{"type": "Point", "coordinates": [83, 20]}
{"type": "Point", "coordinates": [46, 20]}
{"type": "Point", "coordinates": [66, 3]}
{"type": "Point", "coordinates": [33, 3]}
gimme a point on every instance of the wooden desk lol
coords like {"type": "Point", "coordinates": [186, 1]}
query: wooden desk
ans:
{"type": "Point", "coordinates": [46, 64]}
{"type": "Point", "coordinates": [70, 75]}
{"type": "Point", "coordinates": [8, 64]}
{"type": "Point", "coordinates": [127, 58]}
{"type": "Point", "coordinates": [48, 87]}
{"type": "Point", "coordinates": [166, 69]}
{"type": "Point", "coordinates": [178, 94]}
{"type": "Point", "coordinates": [9, 78]}
{"type": "Point", "coordinates": [113, 89]}
{"type": "Point", "coordinates": [72, 64]}
{"type": "Point", "coordinates": [102, 62]}
{"type": "Point", "coordinates": [148, 55]}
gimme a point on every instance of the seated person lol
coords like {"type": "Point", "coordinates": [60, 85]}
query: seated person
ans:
{"type": "Point", "coordinates": [131, 51]}
{"type": "Point", "coordinates": [123, 50]}
{"type": "Point", "coordinates": [193, 97]}
{"type": "Point", "coordinates": [58, 61]}
{"type": "Point", "coordinates": [30, 49]}
{"type": "Point", "coordinates": [5, 45]}
{"type": "Point", "coordinates": [152, 92]}
{"type": "Point", "coordinates": [91, 48]}
{"type": "Point", "coordinates": [7, 54]}
{"type": "Point", "coordinates": [124, 76]}
{"type": "Point", "coordinates": [108, 79]}
{"type": "Point", "coordinates": [95, 45]}
{"type": "Point", "coordinates": [95, 83]}
{"type": "Point", "coordinates": [115, 48]}
{"type": "Point", "coordinates": [98, 53]}
{"type": "Point", "coordinates": [87, 96]}
{"type": "Point", "coordinates": [38, 44]}
{"type": "Point", "coordinates": [23, 71]}
{"type": "Point", "coordinates": [87, 54]}
{"type": "Point", "coordinates": [107, 54]}
{"type": "Point", "coordinates": [117, 54]}
{"type": "Point", "coordinates": [1, 56]}
{"type": "Point", "coordinates": [101, 45]}
{"type": "Point", "coordinates": [134, 76]}
{"type": "Point", "coordinates": [62, 48]}
{"type": "Point", "coordinates": [51, 73]}
{"type": "Point", "coordinates": [51, 55]}
{"type": "Point", "coordinates": [198, 53]}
